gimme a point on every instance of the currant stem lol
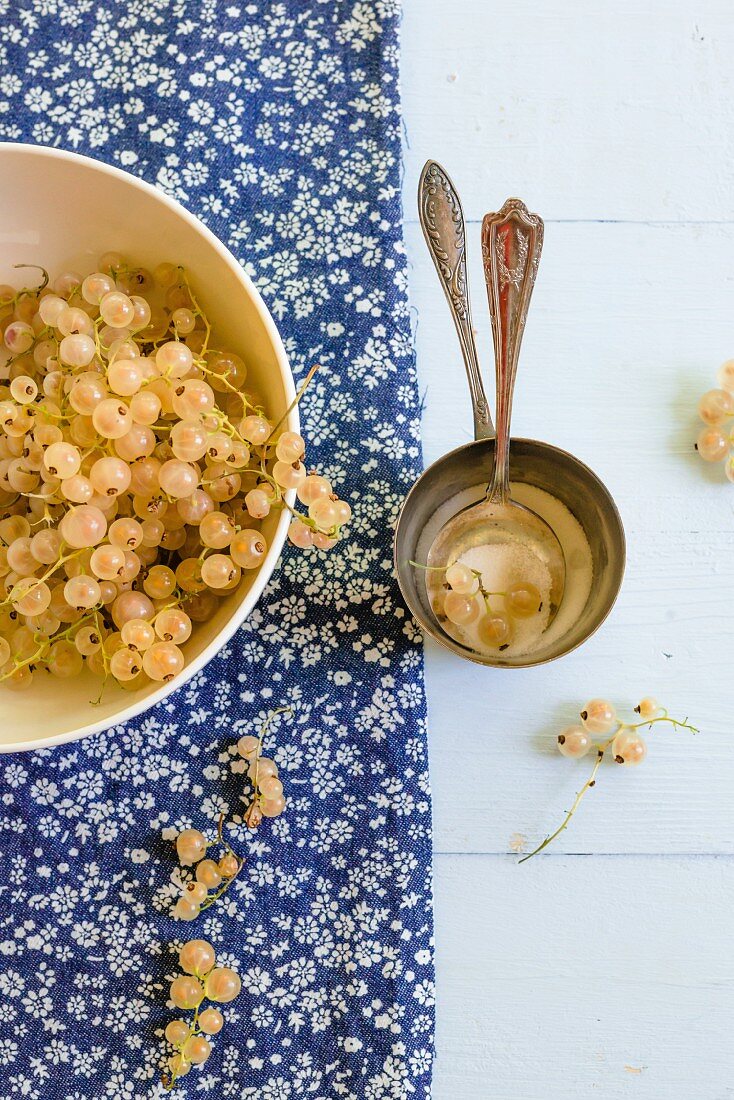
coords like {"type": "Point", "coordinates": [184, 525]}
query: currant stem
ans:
{"type": "Point", "coordinates": [170, 1083]}
{"type": "Point", "coordinates": [222, 890]}
{"type": "Point", "coordinates": [297, 398]}
{"type": "Point", "coordinates": [27, 291]}
{"type": "Point", "coordinates": [199, 312]}
{"type": "Point", "coordinates": [47, 642]}
{"type": "Point", "coordinates": [685, 725]}
{"type": "Point", "coordinates": [263, 730]}
{"type": "Point", "coordinates": [576, 803]}
{"type": "Point", "coordinates": [49, 573]}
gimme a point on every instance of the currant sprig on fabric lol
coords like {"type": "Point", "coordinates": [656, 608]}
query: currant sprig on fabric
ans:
{"type": "Point", "coordinates": [201, 981]}
{"type": "Point", "coordinates": [212, 878]}
{"type": "Point", "coordinates": [267, 798]}
{"type": "Point", "coordinates": [621, 740]}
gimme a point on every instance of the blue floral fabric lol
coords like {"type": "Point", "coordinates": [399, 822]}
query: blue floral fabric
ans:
{"type": "Point", "coordinates": [278, 124]}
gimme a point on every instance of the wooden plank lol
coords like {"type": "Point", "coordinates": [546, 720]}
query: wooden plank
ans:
{"type": "Point", "coordinates": [584, 977]}
{"type": "Point", "coordinates": [601, 974]}
{"type": "Point", "coordinates": [613, 111]}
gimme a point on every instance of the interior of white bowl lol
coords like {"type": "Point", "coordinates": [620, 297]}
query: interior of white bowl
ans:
{"type": "Point", "coordinates": [63, 211]}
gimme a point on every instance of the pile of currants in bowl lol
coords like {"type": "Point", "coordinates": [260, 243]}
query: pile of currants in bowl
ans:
{"type": "Point", "coordinates": [135, 468]}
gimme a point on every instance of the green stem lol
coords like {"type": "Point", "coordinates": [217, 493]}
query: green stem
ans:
{"type": "Point", "coordinates": [47, 641]}
{"type": "Point", "coordinates": [264, 729]}
{"type": "Point", "coordinates": [170, 1083]}
{"type": "Point", "coordinates": [301, 390]}
{"type": "Point", "coordinates": [685, 725]}
{"type": "Point", "coordinates": [40, 580]}
{"type": "Point", "coordinates": [199, 313]}
{"type": "Point", "coordinates": [577, 801]}
{"type": "Point", "coordinates": [27, 291]}
{"type": "Point", "coordinates": [224, 887]}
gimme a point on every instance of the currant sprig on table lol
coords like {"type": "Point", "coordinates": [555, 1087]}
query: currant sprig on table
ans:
{"type": "Point", "coordinates": [715, 442]}
{"type": "Point", "coordinates": [602, 732]}
{"type": "Point", "coordinates": [200, 981]}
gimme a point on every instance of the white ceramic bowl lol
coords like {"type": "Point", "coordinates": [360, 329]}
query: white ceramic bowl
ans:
{"type": "Point", "coordinates": [62, 211]}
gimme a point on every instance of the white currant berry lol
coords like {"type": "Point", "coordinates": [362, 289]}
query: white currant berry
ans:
{"type": "Point", "coordinates": [462, 579]}
{"type": "Point", "coordinates": [628, 748]}
{"type": "Point", "coordinates": [599, 716]}
{"type": "Point", "coordinates": [648, 708]}
{"type": "Point", "coordinates": [574, 742]}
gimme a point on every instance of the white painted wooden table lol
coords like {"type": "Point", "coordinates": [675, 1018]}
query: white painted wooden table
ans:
{"type": "Point", "coordinates": [605, 966]}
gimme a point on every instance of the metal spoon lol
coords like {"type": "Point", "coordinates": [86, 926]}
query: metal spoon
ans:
{"type": "Point", "coordinates": [456, 475]}
{"type": "Point", "coordinates": [511, 245]}
{"type": "Point", "coordinates": [442, 222]}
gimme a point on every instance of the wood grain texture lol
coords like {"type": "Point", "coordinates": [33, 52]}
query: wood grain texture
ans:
{"type": "Point", "coordinates": [592, 110]}
{"type": "Point", "coordinates": [584, 978]}
{"type": "Point", "coordinates": [602, 968]}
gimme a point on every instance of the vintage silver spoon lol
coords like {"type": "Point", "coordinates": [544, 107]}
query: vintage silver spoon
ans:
{"type": "Point", "coordinates": [442, 222]}
{"type": "Point", "coordinates": [511, 245]}
{"type": "Point", "coordinates": [457, 474]}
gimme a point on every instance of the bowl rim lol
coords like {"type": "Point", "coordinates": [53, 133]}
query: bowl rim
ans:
{"type": "Point", "coordinates": [136, 708]}
{"type": "Point", "coordinates": [429, 630]}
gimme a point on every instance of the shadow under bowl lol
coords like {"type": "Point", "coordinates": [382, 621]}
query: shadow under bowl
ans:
{"type": "Point", "coordinates": [536, 464]}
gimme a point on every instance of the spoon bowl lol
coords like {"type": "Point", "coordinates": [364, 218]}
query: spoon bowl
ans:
{"type": "Point", "coordinates": [492, 525]}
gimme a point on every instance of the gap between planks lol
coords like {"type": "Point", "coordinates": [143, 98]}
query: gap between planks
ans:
{"type": "Point", "coordinates": [517, 856]}
{"type": "Point", "coordinates": [653, 223]}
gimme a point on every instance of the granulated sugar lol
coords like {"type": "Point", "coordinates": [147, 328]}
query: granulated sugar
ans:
{"type": "Point", "coordinates": [502, 566]}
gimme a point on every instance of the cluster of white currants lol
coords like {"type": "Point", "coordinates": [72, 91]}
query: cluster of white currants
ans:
{"type": "Point", "coordinates": [268, 799]}
{"type": "Point", "coordinates": [599, 720]}
{"type": "Point", "coordinates": [715, 441]}
{"type": "Point", "coordinates": [201, 980]}
{"type": "Point", "coordinates": [212, 876]}
{"type": "Point", "coordinates": [135, 472]}
{"type": "Point", "coordinates": [464, 601]}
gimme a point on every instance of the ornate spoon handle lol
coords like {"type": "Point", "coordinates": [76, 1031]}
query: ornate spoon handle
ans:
{"type": "Point", "coordinates": [442, 221]}
{"type": "Point", "coordinates": [512, 241]}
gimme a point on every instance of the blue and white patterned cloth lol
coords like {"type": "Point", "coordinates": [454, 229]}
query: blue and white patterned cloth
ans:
{"type": "Point", "coordinates": [278, 124]}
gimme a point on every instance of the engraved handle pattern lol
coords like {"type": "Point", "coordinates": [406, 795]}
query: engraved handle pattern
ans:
{"type": "Point", "coordinates": [512, 241]}
{"type": "Point", "coordinates": [442, 221]}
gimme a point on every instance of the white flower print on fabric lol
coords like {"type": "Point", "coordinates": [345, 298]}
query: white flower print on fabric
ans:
{"type": "Point", "coordinates": [277, 123]}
